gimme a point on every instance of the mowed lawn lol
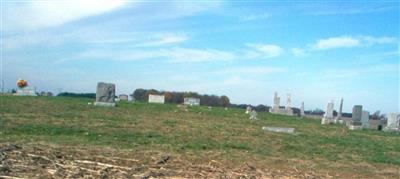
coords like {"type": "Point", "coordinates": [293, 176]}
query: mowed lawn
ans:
{"type": "Point", "coordinates": [200, 134]}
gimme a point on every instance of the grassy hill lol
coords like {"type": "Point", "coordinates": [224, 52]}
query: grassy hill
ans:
{"type": "Point", "coordinates": [198, 136]}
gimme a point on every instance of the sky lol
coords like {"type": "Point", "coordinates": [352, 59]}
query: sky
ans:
{"type": "Point", "coordinates": [314, 50]}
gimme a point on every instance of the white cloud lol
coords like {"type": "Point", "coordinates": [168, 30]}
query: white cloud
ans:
{"type": "Point", "coordinates": [264, 50]}
{"type": "Point", "coordinates": [173, 55]}
{"type": "Point", "coordinates": [378, 40]}
{"type": "Point", "coordinates": [164, 40]}
{"type": "Point", "coordinates": [299, 52]}
{"type": "Point", "coordinates": [336, 42]}
{"type": "Point", "coordinates": [186, 55]}
{"type": "Point", "coordinates": [348, 41]}
{"type": "Point", "coordinates": [37, 14]}
{"type": "Point", "coordinates": [253, 70]}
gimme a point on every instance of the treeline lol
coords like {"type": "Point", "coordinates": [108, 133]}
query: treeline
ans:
{"type": "Point", "coordinates": [80, 95]}
{"type": "Point", "coordinates": [177, 97]}
{"type": "Point", "coordinates": [258, 108]}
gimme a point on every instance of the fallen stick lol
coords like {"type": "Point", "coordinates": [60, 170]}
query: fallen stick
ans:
{"type": "Point", "coordinates": [101, 164]}
{"type": "Point", "coordinates": [38, 156]}
{"type": "Point", "coordinates": [9, 177]}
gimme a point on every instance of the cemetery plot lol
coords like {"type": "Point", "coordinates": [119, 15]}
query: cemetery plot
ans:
{"type": "Point", "coordinates": [67, 138]}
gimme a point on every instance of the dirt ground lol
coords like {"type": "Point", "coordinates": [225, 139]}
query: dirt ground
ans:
{"type": "Point", "coordinates": [43, 161]}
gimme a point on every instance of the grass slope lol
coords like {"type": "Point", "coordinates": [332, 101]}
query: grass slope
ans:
{"type": "Point", "coordinates": [200, 134]}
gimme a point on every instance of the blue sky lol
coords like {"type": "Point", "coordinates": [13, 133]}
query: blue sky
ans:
{"type": "Point", "coordinates": [317, 51]}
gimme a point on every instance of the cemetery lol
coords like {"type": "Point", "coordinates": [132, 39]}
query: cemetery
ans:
{"type": "Point", "coordinates": [125, 89]}
{"type": "Point", "coordinates": [71, 123]}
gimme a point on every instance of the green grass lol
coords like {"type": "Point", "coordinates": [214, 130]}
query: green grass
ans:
{"type": "Point", "coordinates": [226, 133]}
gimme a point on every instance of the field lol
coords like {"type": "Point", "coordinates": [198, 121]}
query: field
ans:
{"type": "Point", "coordinates": [60, 137]}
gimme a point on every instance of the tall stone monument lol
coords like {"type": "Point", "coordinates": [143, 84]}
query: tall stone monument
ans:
{"type": "Point", "coordinates": [393, 122]}
{"type": "Point", "coordinates": [356, 123]}
{"type": "Point", "coordinates": [275, 107]}
{"type": "Point", "coordinates": [288, 107]}
{"type": "Point", "coordinates": [302, 109]}
{"type": "Point", "coordinates": [105, 94]}
{"type": "Point", "coordinates": [328, 116]}
{"type": "Point", "coordinates": [338, 118]}
{"type": "Point", "coordinates": [365, 119]}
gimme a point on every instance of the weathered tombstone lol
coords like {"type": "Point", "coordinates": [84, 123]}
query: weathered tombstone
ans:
{"type": "Point", "coordinates": [356, 123]}
{"type": "Point", "coordinates": [365, 119]}
{"type": "Point", "coordinates": [328, 116]}
{"type": "Point", "coordinates": [288, 107]}
{"type": "Point", "coordinates": [105, 94]}
{"type": "Point", "coordinates": [302, 109]}
{"type": "Point", "coordinates": [248, 109]}
{"type": "Point", "coordinates": [275, 107]}
{"type": "Point", "coordinates": [393, 122]}
{"type": "Point", "coordinates": [156, 98]}
{"type": "Point", "coordinates": [24, 90]}
{"type": "Point", "coordinates": [338, 118]}
{"type": "Point", "coordinates": [253, 115]}
{"type": "Point", "coordinates": [279, 129]}
{"type": "Point", "coordinates": [123, 97]}
{"type": "Point", "coordinates": [191, 101]}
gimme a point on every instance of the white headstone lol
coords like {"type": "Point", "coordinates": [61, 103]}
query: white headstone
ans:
{"type": "Point", "coordinates": [253, 115]}
{"type": "Point", "coordinates": [191, 101]}
{"type": "Point", "coordinates": [328, 116]}
{"type": "Point", "coordinates": [26, 91]}
{"type": "Point", "coordinates": [279, 129]}
{"type": "Point", "coordinates": [302, 109]}
{"type": "Point", "coordinates": [339, 116]}
{"type": "Point", "coordinates": [248, 109]}
{"type": "Point", "coordinates": [288, 107]}
{"type": "Point", "coordinates": [156, 98]}
{"type": "Point", "coordinates": [123, 97]}
{"type": "Point", "coordinates": [275, 107]}
{"type": "Point", "coordinates": [393, 122]}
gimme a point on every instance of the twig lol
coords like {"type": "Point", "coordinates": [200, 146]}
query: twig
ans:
{"type": "Point", "coordinates": [101, 164]}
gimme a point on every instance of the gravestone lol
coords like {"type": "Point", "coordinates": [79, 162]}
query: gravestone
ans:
{"type": "Point", "coordinates": [279, 129]}
{"type": "Point", "coordinates": [288, 107]}
{"type": "Point", "coordinates": [365, 119]}
{"type": "Point", "coordinates": [393, 122]}
{"type": "Point", "coordinates": [328, 116]}
{"type": "Point", "coordinates": [338, 118]}
{"type": "Point", "coordinates": [275, 107]}
{"type": "Point", "coordinates": [24, 90]}
{"type": "Point", "coordinates": [156, 98]}
{"type": "Point", "coordinates": [191, 101]}
{"type": "Point", "coordinates": [253, 115]}
{"type": "Point", "coordinates": [123, 97]}
{"type": "Point", "coordinates": [302, 109]}
{"type": "Point", "coordinates": [356, 123]}
{"type": "Point", "coordinates": [105, 94]}
{"type": "Point", "coordinates": [248, 109]}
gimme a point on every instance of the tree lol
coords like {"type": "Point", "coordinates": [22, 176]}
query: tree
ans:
{"type": "Point", "coordinates": [225, 101]}
{"type": "Point", "coordinates": [139, 94]}
{"type": "Point", "coordinates": [168, 97]}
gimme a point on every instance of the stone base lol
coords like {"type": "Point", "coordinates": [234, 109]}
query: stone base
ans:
{"type": "Point", "coordinates": [26, 91]}
{"type": "Point", "coordinates": [328, 121]}
{"type": "Point", "coordinates": [104, 104]}
{"type": "Point", "coordinates": [391, 129]}
{"type": "Point", "coordinates": [355, 127]}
